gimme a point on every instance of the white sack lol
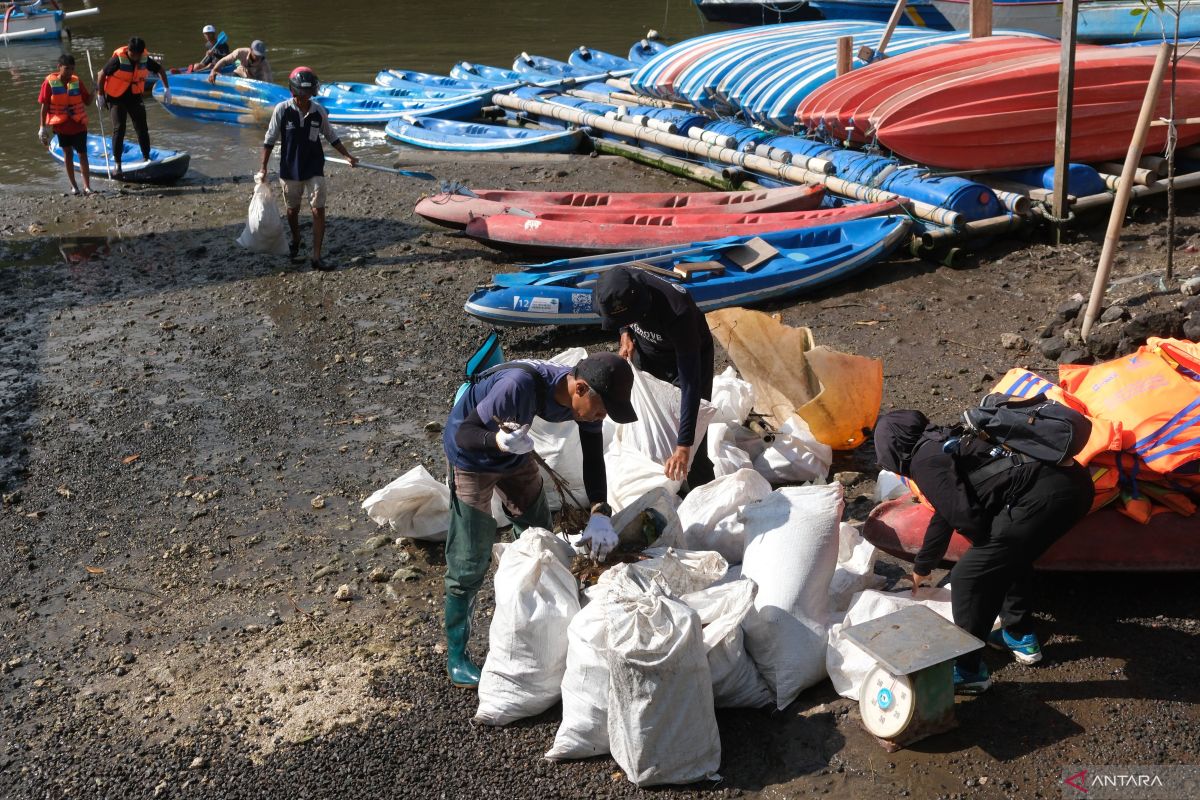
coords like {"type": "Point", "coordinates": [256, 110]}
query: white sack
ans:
{"type": "Point", "coordinates": [558, 444]}
{"type": "Point", "coordinates": [536, 598]}
{"type": "Point", "coordinates": [415, 505]}
{"type": "Point", "coordinates": [657, 504]}
{"type": "Point", "coordinates": [634, 454]}
{"type": "Point", "coordinates": [736, 681]}
{"type": "Point", "coordinates": [732, 397]}
{"type": "Point", "coordinates": [855, 569]}
{"type": "Point", "coordinates": [681, 571]}
{"type": "Point", "coordinates": [794, 456]}
{"type": "Point", "coordinates": [583, 732]}
{"type": "Point", "coordinates": [791, 553]}
{"type": "Point", "coordinates": [264, 231]}
{"type": "Point", "coordinates": [726, 457]}
{"type": "Point", "coordinates": [847, 664]}
{"type": "Point", "coordinates": [661, 723]}
{"type": "Point", "coordinates": [709, 515]}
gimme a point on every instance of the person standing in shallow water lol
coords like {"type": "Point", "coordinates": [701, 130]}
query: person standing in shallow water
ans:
{"type": "Point", "coordinates": [1012, 511]}
{"type": "Point", "coordinates": [64, 100]}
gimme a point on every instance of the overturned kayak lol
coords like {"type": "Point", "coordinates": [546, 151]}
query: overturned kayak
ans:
{"type": "Point", "coordinates": [456, 210]}
{"type": "Point", "coordinates": [444, 134]}
{"type": "Point", "coordinates": [163, 166]}
{"type": "Point", "coordinates": [1105, 541]}
{"type": "Point", "coordinates": [717, 274]}
{"type": "Point", "coordinates": [556, 233]}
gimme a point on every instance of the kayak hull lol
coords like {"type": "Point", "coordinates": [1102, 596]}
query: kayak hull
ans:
{"type": "Point", "coordinates": [1106, 541]}
{"type": "Point", "coordinates": [456, 210]}
{"type": "Point", "coordinates": [164, 166]}
{"type": "Point", "coordinates": [443, 134]}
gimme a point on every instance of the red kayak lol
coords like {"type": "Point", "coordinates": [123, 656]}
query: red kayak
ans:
{"type": "Point", "coordinates": [579, 234]}
{"type": "Point", "coordinates": [1002, 115]}
{"type": "Point", "coordinates": [456, 210]}
{"type": "Point", "coordinates": [842, 107]}
{"type": "Point", "coordinates": [1106, 541]}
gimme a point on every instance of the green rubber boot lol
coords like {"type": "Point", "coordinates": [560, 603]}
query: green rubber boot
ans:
{"type": "Point", "coordinates": [536, 516]}
{"type": "Point", "coordinates": [463, 673]}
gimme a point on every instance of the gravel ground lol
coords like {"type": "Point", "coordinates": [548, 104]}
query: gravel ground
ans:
{"type": "Point", "coordinates": [187, 432]}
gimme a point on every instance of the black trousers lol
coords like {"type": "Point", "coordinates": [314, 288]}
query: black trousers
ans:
{"type": "Point", "coordinates": [129, 106]}
{"type": "Point", "coordinates": [667, 369]}
{"type": "Point", "coordinates": [995, 576]}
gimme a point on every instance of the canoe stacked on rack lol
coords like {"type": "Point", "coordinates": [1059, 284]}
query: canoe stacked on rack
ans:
{"type": "Point", "coordinates": [991, 104]}
{"type": "Point", "coordinates": [717, 274]}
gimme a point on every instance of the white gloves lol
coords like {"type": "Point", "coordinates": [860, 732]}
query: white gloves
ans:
{"type": "Point", "coordinates": [517, 442]}
{"type": "Point", "coordinates": [599, 536]}
{"type": "Point", "coordinates": [260, 177]}
{"type": "Point", "coordinates": [167, 95]}
{"type": "Point", "coordinates": [44, 136]}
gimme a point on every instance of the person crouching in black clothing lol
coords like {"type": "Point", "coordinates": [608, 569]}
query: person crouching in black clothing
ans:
{"type": "Point", "coordinates": [1011, 516]}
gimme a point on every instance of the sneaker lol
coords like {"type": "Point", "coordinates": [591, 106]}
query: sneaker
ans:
{"type": "Point", "coordinates": [971, 682]}
{"type": "Point", "coordinates": [1026, 649]}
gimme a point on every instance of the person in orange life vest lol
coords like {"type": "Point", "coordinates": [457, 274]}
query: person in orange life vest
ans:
{"type": "Point", "coordinates": [120, 85]}
{"type": "Point", "coordinates": [298, 125]}
{"type": "Point", "coordinates": [64, 101]}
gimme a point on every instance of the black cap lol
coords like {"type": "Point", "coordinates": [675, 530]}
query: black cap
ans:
{"type": "Point", "coordinates": [612, 378]}
{"type": "Point", "coordinates": [619, 299]}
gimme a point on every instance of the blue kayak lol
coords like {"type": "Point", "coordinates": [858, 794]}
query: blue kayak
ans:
{"type": "Point", "coordinates": [408, 79]}
{"type": "Point", "coordinates": [542, 68]}
{"type": "Point", "coordinates": [482, 73]}
{"type": "Point", "coordinates": [164, 166]}
{"type": "Point", "coordinates": [388, 93]}
{"type": "Point", "coordinates": [646, 49]}
{"type": "Point", "coordinates": [231, 100]}
{"type": "Point", "coordinates": [560, 292]}
{"type": "Point", "coordinates": [597, 61]}
{"type": "Point", "coordinates": [445, 134]}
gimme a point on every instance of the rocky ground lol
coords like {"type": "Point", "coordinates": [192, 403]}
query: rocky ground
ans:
{"type": "Point", "coordinates": [188, 431]}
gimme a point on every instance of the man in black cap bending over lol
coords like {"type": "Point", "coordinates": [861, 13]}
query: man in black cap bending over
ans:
{"type": "Point", "coordinates": [664, 332]}
{"type": "Point", "coordinates": [487, 443]}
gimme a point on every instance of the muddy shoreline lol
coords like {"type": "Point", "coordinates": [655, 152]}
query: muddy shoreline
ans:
{"type": "Point", "coordinates": [187, 432]}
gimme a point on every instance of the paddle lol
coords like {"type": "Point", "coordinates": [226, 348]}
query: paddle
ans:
{"type": "Point", "coordinates": [100, 117]}
{"type": "Point", "coordinates": [408, 173]}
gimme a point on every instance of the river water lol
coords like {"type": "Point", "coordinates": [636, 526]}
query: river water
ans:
{"type": "Point", "coordinates": [345, 40]}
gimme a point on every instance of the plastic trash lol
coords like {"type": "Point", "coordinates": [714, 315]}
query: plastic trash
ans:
{"type": "Point", "coordinates": [726, 457]}
{"type": "Point", "coordinates": [735, 679]}
{"type": "Point", "coordinates": [732, 397]}
{"type": "Point", "coordinates": [791, 553]}
{"type": "Point", "coordinates": [855, 569]}
{"type": "Point", "coordinates": [889, 486]}
{"type": "Point", "coordinates": [414, 505]}
{"type": "Point", "coordinates": [536, 599]}
{"type": "Point", "coordinates": [794, 455]}
{"type": "Point", "coordinates": [265, 231]}
{"type": "Point", "coordinates": [662, 727]}
{"type": "Point", "coordinates": [680, 571]}
{"type": "Point", "coordinates": [709, 515]}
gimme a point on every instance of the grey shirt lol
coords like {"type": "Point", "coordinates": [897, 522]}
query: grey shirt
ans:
{"type": "Point", "coordinates": [259, 70]}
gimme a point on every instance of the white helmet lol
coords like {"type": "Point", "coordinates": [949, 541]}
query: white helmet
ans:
{"type": "Point", "coordinates": [209, 29]}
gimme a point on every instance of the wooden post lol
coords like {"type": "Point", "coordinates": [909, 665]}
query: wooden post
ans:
{"type": "Point", "coordinates": [866, 53]}
{"type": "Point", "coordinates": [1116, 220]}
{"type": "Point", "coordinates": [1062, 131]}
{"type": "Point", "coordinates": [845, 54]}
{"type": "Point", "coordinates": [981, 18]}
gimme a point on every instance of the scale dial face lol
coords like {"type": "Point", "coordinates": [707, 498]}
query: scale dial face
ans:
{"type": "Point", "coordinates": [886, 702]}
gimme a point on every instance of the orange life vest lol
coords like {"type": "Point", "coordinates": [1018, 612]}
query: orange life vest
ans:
{"type": "Point", "coordinates": [66, 101]}
{"type": "Point", "coordinates": [1105, 435]}
{"type": "Point", "coordinates": [1153, 393]}
{"type": "Point", "coordinates": [130, 75]}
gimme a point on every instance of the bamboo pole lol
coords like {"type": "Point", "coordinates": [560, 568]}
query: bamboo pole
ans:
{"type": "Point", "coordinates": [866, 53]}
{"type": "Point", "coordinates": [675, 166]}
{"type": "Point", "coordinates": [981, 19]}
{"type": "Point", "coordinates": [979, 227]}
{"type": "Point", "coordinates": [1062, 125]}
{"type": "Point", "coordinates": [845, 57]}
{"type": "Point", "coordinates": [1112, 236]}
{"type": "Point", "coordinates": [1036, 194]}
{"type": "Point", "coordinates": [1104, 199]}
{"type": "Point", "coordinates": [1142, 177]}
{"type": "Point", "coordinates": [802, 173]}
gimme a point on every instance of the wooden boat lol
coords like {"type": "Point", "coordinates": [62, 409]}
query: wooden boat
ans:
{"type": "Point", "coordinates": [444, 134]}
{"type": "Point", "coordinates": [554, 232]}
{"type": "Point", "coordinates": [1106, 541]}
{"type": "Point", "coordinates": [1002, 115]}
{"type": "Point", "coordinates": [741, 271]}
{"type": "Point", "coordinates": [456, 210]}
{"type": "Point", "coordinates": [163, 166]}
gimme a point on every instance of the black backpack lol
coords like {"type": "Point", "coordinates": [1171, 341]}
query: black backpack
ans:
{"type": "Point", "coordinates": [1037, 427]}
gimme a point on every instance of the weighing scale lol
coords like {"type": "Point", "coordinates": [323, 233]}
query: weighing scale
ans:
{"type": "Point", "coordinates": [909, 694]}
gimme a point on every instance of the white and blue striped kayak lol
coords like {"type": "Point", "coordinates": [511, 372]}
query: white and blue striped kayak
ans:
{"type": "Point", "coordinates": [443, 134]}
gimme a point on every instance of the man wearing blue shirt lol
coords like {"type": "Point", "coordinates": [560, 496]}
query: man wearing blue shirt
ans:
{"type": "Point", "coordinates": [487, 443]}
{"type": "Point", "coordinates": [298, 124]}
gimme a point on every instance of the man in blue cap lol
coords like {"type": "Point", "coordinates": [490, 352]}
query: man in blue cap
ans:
{"type": "Point", "coordinates": [487, 443]}
{"type": "Point", "coordinates": [251, 63]}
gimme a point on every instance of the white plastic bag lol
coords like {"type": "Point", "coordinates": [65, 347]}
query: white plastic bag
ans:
{"type": "Point", "coordinates": [710, 518]}
{"type": "Point", "coordinates": [736, 681]}
{"type": "Point", "coordinates": [681, 571]}
{"type": "Point", "coordinates": [415, 505]}
{"type": "Point", "coordinates": [889, 486]}
{"type": "Point", "coordinates": [558, 444]}
{"type": "Point", "coordinates": [726, 457]}
{"type": "Point", "coordinates": [265, 231]}
{"type": "Point", "coordinates": [732, 397]}
{"type": "Point", "coordinates": [536, 598]}
{"type": "Point", "coordinates": [583, 732]}
{"type": "Point", "coordinates": [855, 569]}
{"type": "Point", "coordinates": [661, 724]}
{"type": "Point", "coordinates": [846, 662]}
{"type": "Point", "coordinates": [634, 454]}
{"type": "Point", "coordinates": [794, 455]}
{"type": "Point", "coordinates": [791, 553]}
